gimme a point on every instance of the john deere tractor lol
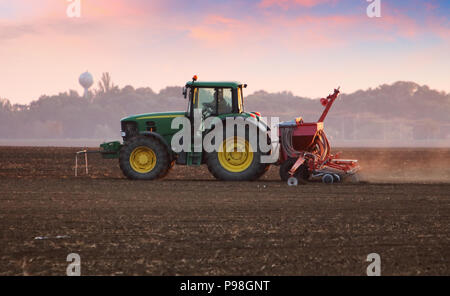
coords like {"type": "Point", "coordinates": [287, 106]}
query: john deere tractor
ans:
{"type": "Point", "coordinates": [146, 152]}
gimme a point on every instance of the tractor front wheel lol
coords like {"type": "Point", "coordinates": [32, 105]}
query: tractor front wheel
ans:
{"type": "Point", "coordinates": [144, 158]}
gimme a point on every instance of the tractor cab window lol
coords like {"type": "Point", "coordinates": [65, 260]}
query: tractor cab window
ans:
{"type": "Point", "coordinates": [205, 99]}
{"type": "Point", "coordinates": [240, 100]}
{"type": "Point", "coordinates": [225, 100]}
{"type": "Point", "coordinates": [213, 101]}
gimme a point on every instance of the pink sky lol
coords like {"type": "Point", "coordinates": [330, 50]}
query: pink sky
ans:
{"type": "Point", "coordinates": [304, 46]}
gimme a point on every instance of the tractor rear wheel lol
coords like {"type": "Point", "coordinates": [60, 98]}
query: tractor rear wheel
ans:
{"type": "Point", "coordinates": [144, 158]}
{"type": "Point", "coordinates": [237, 160]}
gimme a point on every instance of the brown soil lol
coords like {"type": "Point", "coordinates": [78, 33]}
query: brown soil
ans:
{"type": "Point", "coordinates": [190, 224]}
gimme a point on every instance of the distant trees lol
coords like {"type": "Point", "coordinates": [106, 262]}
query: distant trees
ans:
{"type": "Point", "coordinates": [105, 85]}
{"type": "Point", "coordinates": [399, 112]}
{"type": "Point", "coordinates": [5, 105]}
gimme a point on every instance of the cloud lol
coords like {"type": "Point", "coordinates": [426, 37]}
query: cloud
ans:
{"type": "Point", "coordinates": [11, 31]}
{"type": "Point", "coordinates": [289, 3]}
{"type": "Point", "coordinates": [307, 31]}
{"type": "Point", "coordinates": [134, 39]}
{"type": "Point", "coordinates": [258, 26]}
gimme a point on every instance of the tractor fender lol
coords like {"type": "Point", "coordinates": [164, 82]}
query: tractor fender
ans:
{"type": "Point", "coordinates": [262, 125]}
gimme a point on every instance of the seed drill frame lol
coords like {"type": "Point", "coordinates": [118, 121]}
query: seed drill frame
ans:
{"type": "Point", "coordinates": [306, 153]}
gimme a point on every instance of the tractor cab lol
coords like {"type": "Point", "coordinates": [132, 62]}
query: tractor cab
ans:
{"type": "Point", "coordinates": [214, 98]}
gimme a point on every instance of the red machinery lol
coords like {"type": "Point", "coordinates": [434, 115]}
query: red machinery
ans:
{"type": "Point", "coordinates": [306, 154]}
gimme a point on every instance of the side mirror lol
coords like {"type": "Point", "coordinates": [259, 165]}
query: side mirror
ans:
{"type": "Point", "coordinates": [185, 92]}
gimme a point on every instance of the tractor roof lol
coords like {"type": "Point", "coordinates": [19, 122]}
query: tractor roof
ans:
{"type": "Point", "coordinates": [232, 84]}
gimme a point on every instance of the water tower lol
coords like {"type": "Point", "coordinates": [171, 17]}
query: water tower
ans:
{"type": "Point", "coordinates": [86, 80]}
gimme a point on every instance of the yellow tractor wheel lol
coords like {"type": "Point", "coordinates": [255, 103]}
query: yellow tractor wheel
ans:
{"type": "Point", "coordinates": [235, 155]}
{"type": "Point", "coordinates": [144, 158]}
{"type": "Point", "coordinates": [236, 160]}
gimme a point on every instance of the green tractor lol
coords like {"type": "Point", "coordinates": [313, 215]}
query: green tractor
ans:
{"type": "Point", "coordinates": [146, 152]}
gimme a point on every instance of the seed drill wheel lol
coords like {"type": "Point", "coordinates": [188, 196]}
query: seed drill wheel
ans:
{"type": "Point", "coordinates": [302, 174]}
{"type": "Point", "coordinates": [328, 179]}
{"type": "Point", "coordinates": [144, 158]}
{"type": "Point", "coordinates": [292, 181]}
{"type": "Point", "coordinates": [237, 160]}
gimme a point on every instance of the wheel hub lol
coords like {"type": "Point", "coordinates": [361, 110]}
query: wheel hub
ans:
{"type": "Point", "coordinates": [236, 154]}
{"type": "Point", "coordinates": [143, 159]}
